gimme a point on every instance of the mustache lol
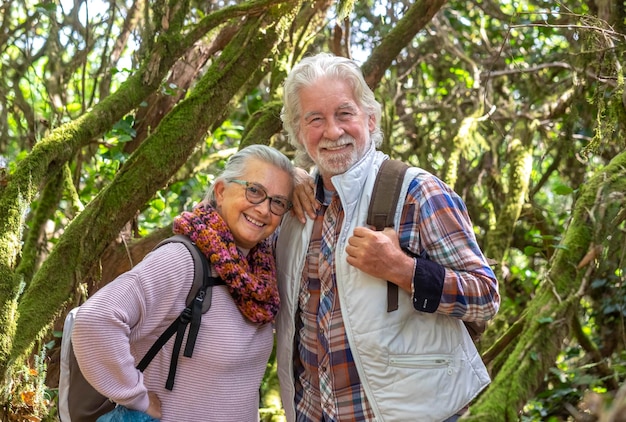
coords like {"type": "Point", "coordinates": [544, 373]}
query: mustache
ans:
{"type": "Point", "coordinates": [343, 140]}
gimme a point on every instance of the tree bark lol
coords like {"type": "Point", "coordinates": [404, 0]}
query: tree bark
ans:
{"type": "Point", "coordinates": [416, 18]}
{"type": "Point", "coordinates": [144, 173]}
{"type": "Point", "coordinates": [547, 320]}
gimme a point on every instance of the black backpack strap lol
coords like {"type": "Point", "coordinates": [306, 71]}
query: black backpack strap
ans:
{"type": "Point", "coordinates": [158, 344]}
{"type": "Point", "coordinates": [198, 301]}
{"type": "Point", "coordinates": [191, 315]}
{"type": "Point", "coordinates": [382, 209]}
{"type": "Point", "coordinates": [197, 307]}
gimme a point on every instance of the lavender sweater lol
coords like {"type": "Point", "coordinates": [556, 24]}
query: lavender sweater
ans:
{"type": "Point", "coordinates": [119, 323]}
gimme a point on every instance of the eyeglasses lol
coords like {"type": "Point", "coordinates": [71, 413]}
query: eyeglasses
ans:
{"type": "Point", "coordinates": [255, 194]}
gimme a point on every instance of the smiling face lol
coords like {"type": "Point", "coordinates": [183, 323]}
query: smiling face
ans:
{"type": "Point", "coordinates": [333, 128]}
{"type": "Point", "coordinates": [252, 223]}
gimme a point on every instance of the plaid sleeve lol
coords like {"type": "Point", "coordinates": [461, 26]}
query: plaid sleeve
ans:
{"type": "Point", "coordinates": [436, 227]}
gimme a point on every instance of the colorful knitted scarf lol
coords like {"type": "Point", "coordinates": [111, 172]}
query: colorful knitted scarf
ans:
{"type": "Point", "coordinates": [251, 281]}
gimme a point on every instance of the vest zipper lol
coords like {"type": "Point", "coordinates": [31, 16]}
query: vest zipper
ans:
{"type": "Point", "coordinates": [427, 361]}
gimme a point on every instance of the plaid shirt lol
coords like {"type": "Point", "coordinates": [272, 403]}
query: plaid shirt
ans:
{"type": "Point", "coordinates": [434, 226]}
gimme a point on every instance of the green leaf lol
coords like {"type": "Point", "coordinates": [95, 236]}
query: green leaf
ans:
{"type": "Point", "coordinates": [563, 190]}
{"type": "Point", "coordinates": [73, 107]}
{"type": "Point", "coordinates": [158, 204]}
{"type": "Point", "coordinates": [47, 8]}
{"type": "Point", "coordinates": [531, 250]}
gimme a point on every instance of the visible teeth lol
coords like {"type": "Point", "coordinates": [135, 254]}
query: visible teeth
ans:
{"type": "Point", "coordinates": [255, 222]}
{"type": "Point", "coordinates": [335, 147]}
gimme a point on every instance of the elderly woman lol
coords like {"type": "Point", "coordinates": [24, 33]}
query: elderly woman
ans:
{"type": "Point", "coordinates": [117, 326]}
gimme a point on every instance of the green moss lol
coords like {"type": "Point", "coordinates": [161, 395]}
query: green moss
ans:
{"type": "Point", "coordinates": [262, 125]}
{"type": "Point", "coordinates": [548, 317]}
{"type": "Point", "coordinates": [147, 170]}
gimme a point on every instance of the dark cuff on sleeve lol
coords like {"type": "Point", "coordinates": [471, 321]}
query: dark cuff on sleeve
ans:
{"type": "Point", "coordinates": [427, 285]}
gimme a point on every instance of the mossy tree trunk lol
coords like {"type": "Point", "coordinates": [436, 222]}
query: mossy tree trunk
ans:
{"type": "Point", "coordinates": [26, 315]}
{"type": "Point", "coordinates": [527, 356]}
{"type": "Point", "coordinates": [520, 159]}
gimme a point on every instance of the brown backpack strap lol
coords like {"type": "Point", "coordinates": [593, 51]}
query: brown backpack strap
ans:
{"type": "Point", "coordinates": [382, 209]}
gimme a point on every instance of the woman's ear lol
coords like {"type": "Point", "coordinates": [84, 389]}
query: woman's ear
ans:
{"type": "Point", "coordinates": [218, 190]}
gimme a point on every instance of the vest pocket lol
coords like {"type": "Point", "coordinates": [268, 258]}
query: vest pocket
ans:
{"type": "Point", "coordinates": [422, 361]}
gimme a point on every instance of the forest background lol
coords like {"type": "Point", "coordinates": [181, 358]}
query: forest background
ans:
{"type": "Point", "coordinates": [115, 115]}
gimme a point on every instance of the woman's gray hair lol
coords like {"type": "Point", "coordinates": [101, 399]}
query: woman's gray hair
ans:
{"type": "Point", "coordinates": [325, 65]}
{"type": "Point", "coordinates": [236, 165]}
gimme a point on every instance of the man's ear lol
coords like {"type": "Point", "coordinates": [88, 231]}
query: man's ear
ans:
{"type": "Point", "coordinates": [371, 123]}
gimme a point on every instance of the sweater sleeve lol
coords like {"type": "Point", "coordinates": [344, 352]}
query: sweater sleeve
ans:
{"type": "Point", "coordinates": [112, 329]}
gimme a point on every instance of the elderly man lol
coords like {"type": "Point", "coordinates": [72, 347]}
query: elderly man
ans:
{"type": "Point", "coordinates": [341, 355]}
